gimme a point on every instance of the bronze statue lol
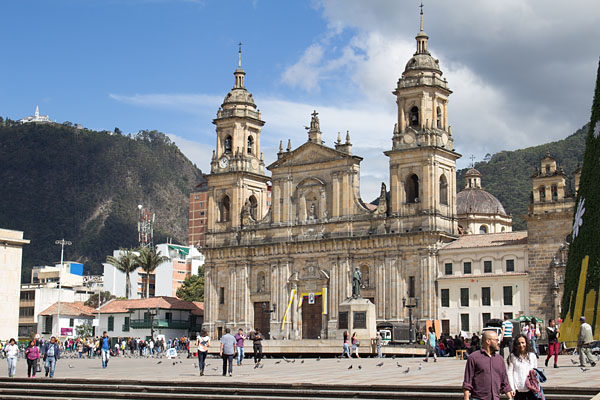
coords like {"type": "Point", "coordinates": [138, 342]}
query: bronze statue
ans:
{"type": "Point", "coordinates": [356, 283]}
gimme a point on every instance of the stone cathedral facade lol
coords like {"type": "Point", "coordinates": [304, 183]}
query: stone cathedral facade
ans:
{"type": "Point", "coordinates": [294, 260]}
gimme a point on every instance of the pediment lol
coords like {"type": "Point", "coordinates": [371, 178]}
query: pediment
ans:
{"type": "Point", "coordinates": [310, 153]}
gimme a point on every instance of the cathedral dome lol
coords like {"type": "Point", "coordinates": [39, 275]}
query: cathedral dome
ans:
{"type": "Point", "coordinates": [239, 96]}
{"type": "Point", "coordinates": [422, 61]}
{"type": "Point", "coordinates": [478, 201]}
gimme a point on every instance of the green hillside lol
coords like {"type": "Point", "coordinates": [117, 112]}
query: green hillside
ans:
{"type": "Point", "coordinates": [84, 186]}
{"type": "Point", "coordinates": [507, 175]}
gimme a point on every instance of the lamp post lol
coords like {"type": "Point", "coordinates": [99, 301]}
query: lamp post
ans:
{"type": "Point", "coordinates": [411, 333]}
{"type": "Point", "coordinates": [62, 243]}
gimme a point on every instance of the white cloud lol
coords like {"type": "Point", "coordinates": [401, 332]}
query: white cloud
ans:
{"type": "Point", "coordinates": [189, 103]}
{"type": "Point", "coordinates": [198, 153]}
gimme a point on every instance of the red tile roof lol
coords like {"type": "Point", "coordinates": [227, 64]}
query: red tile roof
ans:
{"type": "Point", "coordinates": [488, 240]}
{"type": "Point", "coordinates": [162, 302]}
{"type": "Point", "coordinates": [76, 309]}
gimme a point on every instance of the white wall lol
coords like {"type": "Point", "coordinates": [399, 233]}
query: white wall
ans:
{"type": "Point", "coordinates": [65, 321]}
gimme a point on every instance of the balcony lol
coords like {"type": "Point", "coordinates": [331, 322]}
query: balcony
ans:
{"type": "Point", "coordinates": [160, 323]}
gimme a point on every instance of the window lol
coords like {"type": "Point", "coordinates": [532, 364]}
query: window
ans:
{"type": "Point", "coordinates": [224, 209]}
{"type": "Point", "coordinates": [464, 322]}
{"type": "Point", "coordinates": [221, 295]}
{"type": "Point", "coordinates": [445, 297]}
{"type": "Point", "coordinates": [543, 194]}
{"type": "Point", "coordinates": [411, 286]}
{"type": "Point", "coordinates": [228, 144]}
{"type": "Point", "coordinates": [26, 312]}
{"type": "Point", "coordinates": [29, 295]}
{"type": "Point", "coordinates": [414, 116]}
{"type": "Point", "coordinates": [509, 315]}
{"type": "Point", "coordinates": [261, 283]}
{"type": "Point", "coordinates": [366, 276]}
{"type": "Point", "coordinates": [48, 324]}
{"type": "Point", "coordinates": [554, 191]}
{"type": "Point", "coordinates": [71, 322]}
{"type": "Point", "coordinates": [448, 269]}
{"type": "Point", "coordinates": [439, 118]}
{"type": "Point", "coordinates": [412, 189]}
{"type": "Point", "coordinates": [464, 297]}
{"type": "Point", "coordinates": [508, 295]}
{"type": "Point", "coordinates": [253, 206]}
{"type": "Point", "coordinates": [443, 190]}
{"type": "Point", "coordinates": [486, 296]}
{"type": "Point", "coordinates": [111, 323]}
{"type": "Point", "coordinates": [169, 316]}
{"type": "Point", "coordinates": [487, 267]}
{"type": "Point", "coordinates": [510, 265]}
{"type": "Point", "coordinates": [483, 229]}
{"type": "Point", "coordinates": [126, 325]}
{"type": "Point", "coordinates": [467, 267]}
{"type": "Point", "coordinates": [485, 317]}
{"type": "Point", "coordinates": [250, 144]}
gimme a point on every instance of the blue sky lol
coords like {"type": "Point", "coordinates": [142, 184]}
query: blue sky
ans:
{"type": "Point", "coordinates": [522, 72]}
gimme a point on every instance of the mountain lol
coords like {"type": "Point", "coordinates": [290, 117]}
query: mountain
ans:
{"type": "Point", "coordinates": [85, 186]}
{"type": "Point", "coordinates": [507, 174]}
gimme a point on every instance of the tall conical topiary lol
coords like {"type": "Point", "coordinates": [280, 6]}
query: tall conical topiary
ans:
{"type": "Point", "coordinates": [582, 280]}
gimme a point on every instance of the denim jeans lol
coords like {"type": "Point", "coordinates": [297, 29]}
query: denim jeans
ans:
{"type": "Point", "coordinates": [227, 363]}
{"type": "Point", "coordinates": [50, 365]}
{"type": "Point", "coordinates": [379, 355]}
{"type": "Point", "coordinates": [12, 366]}
{"type": "Point", "coordinates": [240, 355]}
{"type": "Point", "coordinates": [105, 358]}
{"type": "Point", "coordinates": [201, 359]}
{"type": "Point", "coordinates": [346, 350]}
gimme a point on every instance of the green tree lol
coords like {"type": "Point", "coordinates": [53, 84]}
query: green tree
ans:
{"type": "Point", "coordinates": [84, 330]}
{"type": "Point", "coordinates": [582, 278]}
{"type": "Point", "coordinates": [192, 288]}
{"type": "Point", "coordinates": [148, 260]}
{"type": "Point", "coordinates": [93, 300]}
{"type": "Point", "coordinates": [126, 263]}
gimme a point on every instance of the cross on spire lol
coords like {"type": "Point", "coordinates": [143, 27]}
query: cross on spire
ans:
{"type": "Point", "coordinates": [472, 158]}
{"type": "Point", "coordinates": [421, 6]}
{"type": "Point", "coordinates": [240, 55]}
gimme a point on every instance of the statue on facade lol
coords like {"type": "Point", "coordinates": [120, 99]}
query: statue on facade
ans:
{"type": "Point", "coordinates": [246, 216]}
{"type": "Point", "coordinates": [356, 283]}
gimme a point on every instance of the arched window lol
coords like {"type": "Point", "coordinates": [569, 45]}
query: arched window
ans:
{"type": "Point", "coordinates": [542, 193]}
{"type": "Point", "coordinates": [224, 208]}
{"type": "Point", "coordinates": [366, 276]}
{"type": "Point", "coordinates": [250, 145]}
{"type": "Point", "coordinates": [261, 282]}
{"type": "Point", "coordinates": [414, 116]}
{"type": "Point", "coordinates": [254, 206]}
{"type": "Point", "coordinates": [439, 118]}
{"type": "Point", "coordinates": [443, 190]}
{"type": "Point", "coordinates": [228, 144]}
{"type": "Point", "coordinates": [483, 229]}
{"type": "Point", "coordinates": [412, 189]}
{"type": "Point", "coordinates": [554, 191]}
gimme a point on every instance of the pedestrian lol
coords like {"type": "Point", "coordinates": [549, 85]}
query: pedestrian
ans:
{"type": "Point", "coordinates": [239, 338]}
{"type": "Point", "coordinates": [80, 347]}
{"type": "Point", "coordinates": [485, 372]}
{"type": "Point", "coordinates": [378, 343]}
{"type": "Point", "coordinates": [346, 350]}
{"type": "Point", "coordinates": [257, 339]}
{"type": "Point", "coordinates": [506, 335]}
{"type": "Point", "coordinates": [203, 343]}
{"type": "Point", "coordinates": [430, 345]}
{"type": "Point", "coordinates": [227, 351]}
{"type": "Point", "coordinates": [552, 332]}
{"type": "Point", "coordinates": [355, 343]}
{"type": "Point", "coordinates": [32, 353]}
{"type": "Point", "coordinates": [51, 355]}
{"type": "Point", "coordinates": [584, 342]}
{"type": "Point", "coordinates": [534, 333]}
{"type": "Point", "coordinates": [105, 349]}
{"type": "Point", "coordinates": [521, 360]}
{"type": "Point", "coordinates": [11, 350]}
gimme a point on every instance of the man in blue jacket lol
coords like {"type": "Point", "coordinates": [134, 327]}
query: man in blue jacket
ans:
{"type": "Point", "coordinates": [51, 354]}
{"type": "Point", "coordinates": [105, 347]}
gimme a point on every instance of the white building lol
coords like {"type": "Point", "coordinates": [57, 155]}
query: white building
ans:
{"type": "Point", "coordinates": [11, 251]}
{"type": "Point", "coordinates": [168, 316]}
{"type": "Point", "coordinates": [166, 279]}
{"type": "Point", "coordinates": [37, 118]}
{"type": "Point", "coordinates": [481, 277]}
{"type": "Point", "coordinates": [72, 315]}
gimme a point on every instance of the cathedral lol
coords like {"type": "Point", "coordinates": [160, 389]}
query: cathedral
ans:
{"type": "Point", "coordinates": [281, 246]}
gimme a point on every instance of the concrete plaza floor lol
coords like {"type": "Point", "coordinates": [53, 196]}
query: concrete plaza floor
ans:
{"type": "Point", "coordinates": [365, 371]}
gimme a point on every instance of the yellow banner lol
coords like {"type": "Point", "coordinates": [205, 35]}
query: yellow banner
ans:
{"type": "Point", "coordinates": [288, 308]}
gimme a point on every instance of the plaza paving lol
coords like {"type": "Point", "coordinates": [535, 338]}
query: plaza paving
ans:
{"type": "Point", "coordinates": [445, 372]}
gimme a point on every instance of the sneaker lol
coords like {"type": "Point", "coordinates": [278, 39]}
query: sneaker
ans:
{"type": "Point", "coordinates": [546, 362]}
{"type": "Point", "coordinates": [555, 366]}
{"type": "Point", "coordinates": [230, 374]}
{"type": "Point", "coordinates": [593, 363]}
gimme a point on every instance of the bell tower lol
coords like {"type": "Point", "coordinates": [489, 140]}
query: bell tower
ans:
{"type": "Point", "coordinates": [422, 158]}
{"type": "Point", "coordinates": [237, 183]}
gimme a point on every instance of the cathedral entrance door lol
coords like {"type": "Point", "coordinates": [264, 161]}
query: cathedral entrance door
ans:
{"type": "Point", "coordinates": [261, 318]}
{"type": "Point", "coordinates": [312, 319]}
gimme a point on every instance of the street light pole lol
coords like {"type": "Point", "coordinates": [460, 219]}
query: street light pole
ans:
{"type": "Point", "coordinates": [62, 243]}
{"type": "Point", "coordinates": [410, 307]}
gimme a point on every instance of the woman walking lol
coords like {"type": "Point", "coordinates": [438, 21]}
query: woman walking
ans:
{"type": "Point", "coordinates": [355, 344]}
{"type": "Point", "coordinates": [346, 350]}
{"type": "Point", "coordinates": [203, 343]}
{"type": "Point", "coordinates": [12, 351]}
{"type": "Point", "coordinates": [32, 353]}
{"type": "Point", "coordinates": [552, 331]}
{"type": "Point", "coordinates": [521, 360]}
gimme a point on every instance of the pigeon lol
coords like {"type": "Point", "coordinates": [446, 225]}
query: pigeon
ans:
{"type": "Point", "coordinates": [420, 366]}
{"type": "Point", "coordinates": [293, 361]}
{"type": "Point", "coordinates": [195, 365]}
{"type": "Point", "coordinates": [70, 366]}
{"type": "Point", "coordinates": [380, 364]}
{"type": "Point", "coordinates": [215, 368]}
{"type": "Point", "coordinates": [318, 359]}
{"type": "Point", "coordinates": [339, 360]}
{"type": "Point", "coordinates": [277, 362]}
{"type": "Point", "coordinates": [302, 362]}
{"type": "Point", "coordinates": [394, 357]}
{"type": "Point", "coordinates": [350, 367]}
{"type": "Point", "coordinates": [583, 369]}
{"type": "Point", "coordinates": [261, 365]}
{"type": "Point", "coordinates": [398, 364]}
{"type": "Point", "coordinates": [360, 367]}
{"type": "Point", "coordinates": [406, 370]}
{"type": "Point", "coordinates": [574, 362]}
{"type": "Point", "coordinates": [285, 359]}
{"type": "Point", "coordinates": [256, 366]}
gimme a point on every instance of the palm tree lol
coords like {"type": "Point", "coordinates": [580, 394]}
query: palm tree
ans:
{"type": "Point", "coordinates": [126, 263]}
{"type": "Point", "coordinates": [148, 260]}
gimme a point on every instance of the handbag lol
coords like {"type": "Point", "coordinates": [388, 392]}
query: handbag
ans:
{"type": "Point", "coordinates": [38, 367]}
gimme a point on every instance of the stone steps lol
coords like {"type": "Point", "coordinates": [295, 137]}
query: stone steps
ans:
{"type": "Point", "coordinates": [80, 389]}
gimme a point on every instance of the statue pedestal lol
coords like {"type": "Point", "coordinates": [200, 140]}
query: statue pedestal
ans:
{"type": "Point", "coordinates": [357, 315]}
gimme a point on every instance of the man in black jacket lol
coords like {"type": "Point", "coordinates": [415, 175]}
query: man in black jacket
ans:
{"type": "Point", "coordinates": [51, 354]}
